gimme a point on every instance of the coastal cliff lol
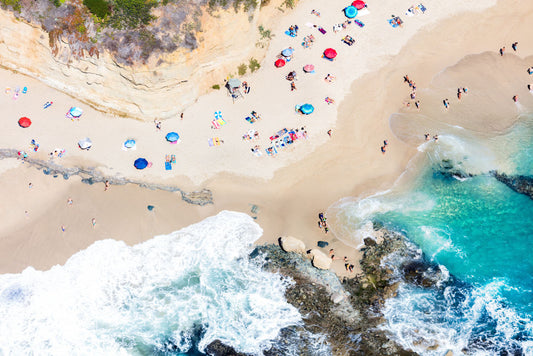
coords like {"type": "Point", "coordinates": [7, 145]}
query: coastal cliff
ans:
{"type": "Point", "coordinates": [160, 86]}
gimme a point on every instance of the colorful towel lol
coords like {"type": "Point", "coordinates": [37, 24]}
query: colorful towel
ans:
{"type": "Point", "coordinates": [215, 141]}
{"type": "Point", "coordinates": [218, 123]}
{"type": "Point", "coordinates": [168, 166]}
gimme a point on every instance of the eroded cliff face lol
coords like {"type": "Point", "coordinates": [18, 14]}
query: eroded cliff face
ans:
{"type": "Point", "coordinates": [161, 88]}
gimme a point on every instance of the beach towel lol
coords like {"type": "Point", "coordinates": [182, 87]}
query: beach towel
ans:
{"type": "Point", "coordinates": [321, 30]}
{"type": "Point", "coordinates": [215, 141]}
{"type": "Point", "coordinates": [359, 23]}
{"type": "Point", "coordinates": [364, 11]}
{"type": "Point", "coordinates": [168, 166]}
{"type": "Point", "coordinates": [289, 33]}
{"type": "Point", "coordinates": [218, 123]}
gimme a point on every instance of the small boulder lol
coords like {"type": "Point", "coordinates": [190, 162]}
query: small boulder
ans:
{"type": "Point", "coordinates": [322, 243]}
{"type": "Point", "coordinates": [337, 298]}
{"type": "Point", "coordinates": [291, 244]}
{"type": "Point", "coordinates": [369, 241]}
{"type": "Point", "coordinates": [320, 260]}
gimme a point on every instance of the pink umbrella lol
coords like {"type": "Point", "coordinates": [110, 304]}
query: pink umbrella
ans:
{"type": "Point", "coordinates": [330, 53]}
{"type": "Point", "coordinates": [309, 68]}
{"type": "Point", "coordinates": [359, 4]}
{"type": "Point", "coordinates": [279, 63]}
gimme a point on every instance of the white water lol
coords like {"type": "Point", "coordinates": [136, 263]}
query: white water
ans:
{"type": "Point", "coordinates": [113, 299]}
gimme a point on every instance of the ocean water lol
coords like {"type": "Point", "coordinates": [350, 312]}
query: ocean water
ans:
{"type": "Point", "coordinates": [475, 228]}
{"type": "Point", "coordinates": [171, 295]}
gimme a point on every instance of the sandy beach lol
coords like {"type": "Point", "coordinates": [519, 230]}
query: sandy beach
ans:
{"type": "Point", "coordinates": [439, 49]}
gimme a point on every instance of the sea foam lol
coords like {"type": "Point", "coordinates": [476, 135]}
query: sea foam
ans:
{"type": "Point", "coordinates": [175, 292]}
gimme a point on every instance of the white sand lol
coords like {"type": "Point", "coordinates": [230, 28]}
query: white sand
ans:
{"type": "Point", "coordinates": [316, 172]}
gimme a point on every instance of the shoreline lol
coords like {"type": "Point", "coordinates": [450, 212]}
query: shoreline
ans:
{"type": "Point", "coordinates": [288, 202]}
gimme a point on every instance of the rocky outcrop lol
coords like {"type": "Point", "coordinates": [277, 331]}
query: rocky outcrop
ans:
{"type": "Point", "coordinates": [319, 259]}
{"type": "Point", "coordinates": [91, 176]}
{"type": "Point", "coordinates": [161, 88]}
{"type": "Point", "coordinates": [347, 313]}
{"type": "Point", "coordinates": [520, 184]}
{"type": "Point", "coordinates": [291, 244]}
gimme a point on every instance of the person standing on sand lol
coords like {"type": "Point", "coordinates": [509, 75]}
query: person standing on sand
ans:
{"type": "Point", "coordinates": [426, 136]}
{"type": "Point", "coordinates": [106, 185]}
{"type": "Point", "coordinates": [514, 46]}
{"type": "Point", "coordinates": [502, 51]}
{"type": "Point", "coordinates": [181, 116]}
{"type": "Point", "coordinates": [329, 132]}
{"type": "Point", "coordinates": [459, 94]}
{"type": "Point", "coordinates": [417, 104]}
{"type": "Point", "coordinates": [515, 98]}
{"type": "Point", "coordinates": [383, 149]}
{"type": "Point", "coordinates": [446, 103]}
{"type": "Point", "coordinates": [93, 221]}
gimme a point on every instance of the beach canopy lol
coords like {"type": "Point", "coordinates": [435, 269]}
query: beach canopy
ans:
{"type": "Point", "coordinates": [279, 63]}
{"type": "Point", "coordinates": [172, 137]}
{"type": "Point", "coordinates": [350, 12]}
{"type": "Point", "coordinates": [358, 4]}
{"type": "Point", "coordinates": [287, 52]}
{"type": "Point", "coordinates": [330, 53]}
{"type": "Point", "coordinates": [24, 122]}
{"type": "Point", "coordinates": [129, 143]}
{"type": "Point", "coordinates": [309, 68]}
{"type": "Point", "coordinates": [85, 143]}
{"type": "Point", "coordinates": [75, 111]}
{"type": "Point", "coordinates": [140, 163]}
{"type": "Point", "coordinates": [234, 83]}
{"type": "Point", "coordinates": [307, 109]}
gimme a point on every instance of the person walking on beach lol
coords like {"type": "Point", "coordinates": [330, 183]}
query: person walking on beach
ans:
{"type": "Point", "coordinates": [446, 103]}
{"type": "Point", "coordinates": [106, 185]}
{"type": "Point", "coordinates": [93, 221]}
{"type": "Point", "coordinates": [502, 51]}
{"type": "Point", "coordinates": [417, 104]}
{"type": "Point", "coordinates": [181, 116]}
{"type": "Point", "coordinates": [459, 93]}
{"type": "Point", "coordinates": [426, 136]}
{"type": "Point", "coordinates": [514, 46]}
{"type": "Point", "coordinates": [329, 132]}
{"type": "Point", "coordinates": [515, 98]}
{"type": "Point", "coordinates": [293, 86]}
{"type": "Point", "coordinates": [383, 149]}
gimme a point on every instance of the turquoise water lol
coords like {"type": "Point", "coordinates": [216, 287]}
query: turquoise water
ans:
{"type": "Point", "coordinates": [477, 229]}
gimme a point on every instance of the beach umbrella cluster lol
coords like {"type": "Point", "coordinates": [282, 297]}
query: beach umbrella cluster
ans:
{"type": "Point", "coordinates": [24, 122]}
{"type": "Point", "coordinates": [172, 137]}
{"type": "Point", "coordinates": [140, 163]}
{"type": "Point", "coordinates": [129, 143]}
{"type": "Point", "coordinates": [358, 4]}
{"type": "Point", "coordinates": [85, 143]}
{"type": "Point", "coordinates": [75, 111]}
{"type": "Point", "coordinates": [307, 109]}
{"type": "Point", "coordinates": [308, 68]}
{"type": "Point", "coordinates": [330, 53]}
{"type": "Point", "coordinates": [350, 12]}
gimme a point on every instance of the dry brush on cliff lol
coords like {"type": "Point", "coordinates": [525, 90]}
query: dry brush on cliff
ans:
{"type": "Point", "coordinates": [131, 30]}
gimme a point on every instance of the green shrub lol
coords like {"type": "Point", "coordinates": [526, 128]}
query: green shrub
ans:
{"type": "Point", "coordinates": [264, 33]}
{"type": "Point", "coordinates": [290, 4]}
{"type": "Point", "coordinates": [100, 8]}
{"type": "Point", "coordinates": [15, 4]}
{"type": "Point", "coordinates": [254, 65]}
{"type": "Point", "coordinates": [132, 13]}
{"type": "Point", "coordinates": [242, 69]}
{"type": "Point", "coordinates": [216, 86]}
{"type": "Point", "coordinates": [57, 3]}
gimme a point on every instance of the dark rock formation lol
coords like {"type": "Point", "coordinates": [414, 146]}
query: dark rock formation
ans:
{"type": "Point", "coordinates": [217, 348]}
{"type": "Point", "coordinates": [348, 323]}
{"type": "Point", "coordinates": [520, 184]}
{"type": "Point", "coordinates": [450, 169]}
{"type": "Point", "coordinates": [91, 176]}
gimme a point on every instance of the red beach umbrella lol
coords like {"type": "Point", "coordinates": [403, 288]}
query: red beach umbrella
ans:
{"type": "Point", "coordinates": [279, 63]}
{"type": "Point", "coordinates": [330, 53]}
{"type": "Point", "coordinates": [309, 68]}
{"type": "Point", "coordinates": [24, 122]}
{"type": "Point", "coordinates": [359, 4]}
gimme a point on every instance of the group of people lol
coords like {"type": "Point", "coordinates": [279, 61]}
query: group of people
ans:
{"type": "Point", "coordinates": [435, 137]}
{"type": "Point", "coordinates": [384, 147]}
{"type": "Point", "coordinates": [322, 222]}
{"type": "Point", "coordinates": [514, 46]}
{"type": "Point", "coordinates": [412, 95]}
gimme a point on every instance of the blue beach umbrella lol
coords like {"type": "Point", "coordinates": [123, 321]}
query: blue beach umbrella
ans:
{"type": "Point", "coordinates": [350, 12]}
{"type": "Point", "coordinates": [307, 109]}
{"type": "Point", "coordinates": [287, 52]}
{"type": "Point", "coordinates": [140, 163]}
{"type": "Point", "coordinates": [172, 136]}
{"type": "Point", "coordinates": [129, 143]}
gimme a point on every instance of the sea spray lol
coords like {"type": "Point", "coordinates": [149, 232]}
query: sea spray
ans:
{"type": "Point", "coordinates": [467, 223]}
{"type": "Point", "coordinates": [174, 293]}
